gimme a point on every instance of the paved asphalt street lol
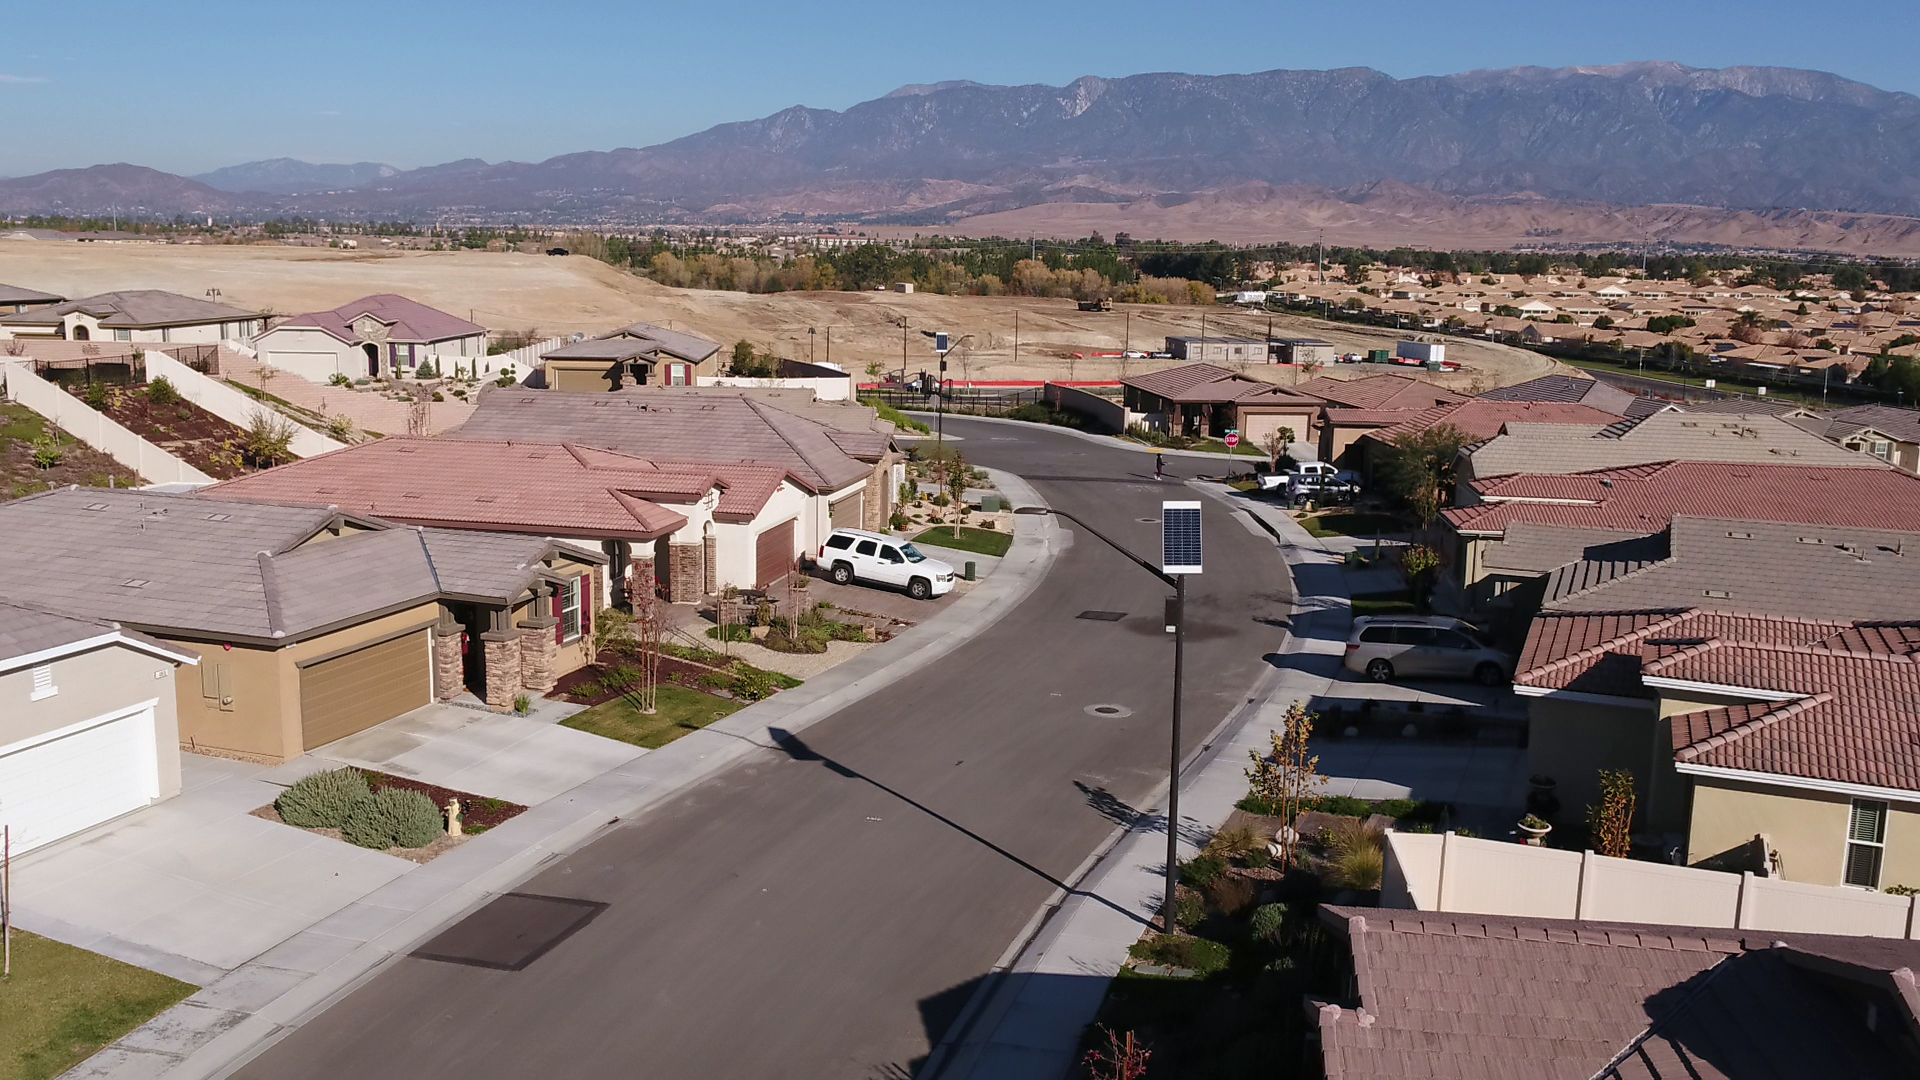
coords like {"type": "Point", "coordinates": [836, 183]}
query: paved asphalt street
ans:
{"type": "Point", "coordinates": [826, 910]}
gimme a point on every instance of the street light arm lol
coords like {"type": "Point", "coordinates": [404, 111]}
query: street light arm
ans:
{"type": "Point", "coordinates": [1098, 535]}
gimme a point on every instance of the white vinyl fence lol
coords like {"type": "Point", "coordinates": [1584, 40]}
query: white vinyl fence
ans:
{"type": "Point", "coordinates": [76, 418]}
{"type": "Point", "coordinates": [525, 360]}
{"type": "Point", "coordinates": [1488, 877]}
{"type": "Point", "coordinates": [824, 389]}
{"type": "Point", "coordinates": [229, 404]}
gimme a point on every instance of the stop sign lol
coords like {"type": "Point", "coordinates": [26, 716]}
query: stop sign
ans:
{"type": "Point", "coordinates": [1233, 439]}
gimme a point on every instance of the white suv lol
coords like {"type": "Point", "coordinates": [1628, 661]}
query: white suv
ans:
{"type": "Point", "coordinates": [853, 555]}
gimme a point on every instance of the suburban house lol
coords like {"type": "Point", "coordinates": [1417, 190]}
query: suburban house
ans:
{"type": "Point", "coordinates": [638, 355]}
{"type": "Point", "coordinates": [1640, 500]}
{"type": "Point", "coordinates": [850, 476]}
{"type": "Point", "coordinates": [1882, 431]}
{"type": "Point", "coordinates": [1479, 419]}
{"type": "Point", "coordinates": [1574, 390]}
{"type": "Point", "coordinates": [1353, 407]}
{"type": "Point", "coordinates": [15, 299]}
{"type": "Point", "coordinates": [1202, 400]}
{"type": "Point", "coordinates": [379, 336]}
{"type": "Point", "coordinates": [1433, 996]}
{"type": "Point", "coordinates": [87, 723]}
{"type": "Point", "coordinates": [309, 623]}
{"type": "Point", "coordinates": [1756, 678]}
{"type": "Point", "coordinates": [141, 315]}
{"type": "Point", "coordinates": [693, 528]}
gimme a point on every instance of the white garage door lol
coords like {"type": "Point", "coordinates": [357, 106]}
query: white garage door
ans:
{"type": "Point", "coordinates": [311, 366]}
{"type": "Point", "coordinates": [56, 784]}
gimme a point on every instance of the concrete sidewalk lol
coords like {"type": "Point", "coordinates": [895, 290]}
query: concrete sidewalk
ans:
{"type": "Point", "coordinates": [241, 1012]}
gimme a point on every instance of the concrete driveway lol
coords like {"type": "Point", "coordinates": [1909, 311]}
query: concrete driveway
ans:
{"type": "Point", "coordinates": [194, 886]}
{"type": "Point", "coordinates": [505, 757]}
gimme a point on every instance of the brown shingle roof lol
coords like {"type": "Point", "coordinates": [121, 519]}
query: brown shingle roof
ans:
{"type": "Point", "coordinates": [1378, 392]}
{"type": "Point", "coordinates": [1477, 997]}
{"type": "Point", "coordinates": [1481, 419]}
{"type": "Point", "coordinates": [1171, 382]}
{"type": "Point", "coordinates": [406, 320]}
{"type": "Point", "coordinates": [135, 308]}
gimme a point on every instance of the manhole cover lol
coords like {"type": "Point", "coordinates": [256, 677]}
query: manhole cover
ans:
{"type": "Point", "coordinates": [1108, 710]}
{"type": "Point", "coordinates": [511, 932]}
{"type": "Point", "coordinates": [1102, 616]}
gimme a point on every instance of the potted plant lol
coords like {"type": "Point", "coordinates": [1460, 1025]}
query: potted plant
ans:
{"type": "Point", "coordinates": [1536, 828]}
{"type": "Point", "coordinates": [1542, 797]}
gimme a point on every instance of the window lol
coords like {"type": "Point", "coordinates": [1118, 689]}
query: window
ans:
{"type": "Point", "coordinates": [1866, 843]}
{"type": "Point", "coordinates": [888, 554]}
{"type": "Point", "coordinates": [677, 375]}
{"type": "Point", "coordinates": [867, 547]}
{"type": "Point", "coordinates": [566, 607]}
{"type": "Point", "coordinates": [839, 543]}
{"type": "Point", "coordinates": [123, 335]}
{"type": "Point", "coordinates": [166, 333]}
{"type": "Point", "coordinates": [1450, 639]}
{"type": "Point", "coordinates": [43, 683]}
{"type": "Point", "coordinates": [1882, 449]}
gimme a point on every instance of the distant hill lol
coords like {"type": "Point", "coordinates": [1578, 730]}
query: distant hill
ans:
{"type": "Point", "coordinates": [103, 188]}
{"type": "Point", "coordinates": [1779, 142]}
{"type": "Point", "coordinates": [289, 176]}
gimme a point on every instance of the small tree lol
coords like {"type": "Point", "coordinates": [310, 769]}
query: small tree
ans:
{"type": "Point", "coordinates": [1123, 1057]}
{"type": "Point", "coordinates": [955, 482]}
{"type": "Point", "coordinates": [1418, 468]}
{"type": "Point", "coordinates": [269, 439]}
{"type": "Point", "coordinates": [1276, 445]}
{"type": "Point", "coordinates": [1287, 776]}
{"type": "Point", "coordinates": [1610, 821]}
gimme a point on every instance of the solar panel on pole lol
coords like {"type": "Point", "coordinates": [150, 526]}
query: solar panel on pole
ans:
{"type": "Point", "coordinates": [1180, 537]}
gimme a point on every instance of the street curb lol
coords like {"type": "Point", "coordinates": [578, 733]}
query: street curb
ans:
{"type": "Point", "coordinates": [230, 1021]}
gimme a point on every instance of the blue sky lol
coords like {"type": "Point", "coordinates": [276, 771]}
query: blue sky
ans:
{"type": "Point", "coordinates": [188, 87]}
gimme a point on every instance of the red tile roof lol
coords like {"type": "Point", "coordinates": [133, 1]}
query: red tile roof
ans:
{"type": "Point", "coordinates": [406, 320]}
{"type": "Point", "coordinates": [1206, 383]}
{"type": "Point", "coordinates": [1378, 392]}
{"type": "Point", "coordinates": [554, 489]}
{"type": "Point", "coordinates": [1646, 497]}
{"type": "Point", "coordinates": [1482, 419]}
{"type": "Point", "coordinates": [1604, 652]}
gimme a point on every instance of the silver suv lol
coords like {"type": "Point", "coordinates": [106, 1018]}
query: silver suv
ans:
{"type": "Point", "coordinates": [1424, 646]}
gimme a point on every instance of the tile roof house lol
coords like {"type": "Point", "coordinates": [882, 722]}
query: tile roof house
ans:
{"type": "Point", "coordinates": [1481, 419]}
{"type": "Point", "coordinates": [848, 477]}
{"type": "Point", "coordinates": [1887, 433]}
{"type": "Point", "coordinates": [376, 336]}
{"type": "Point", "coordinates": [635, 511]}
{"type": "Point", "coordinates": [1435, 996]}
{"type": "Point", "coordinates": [144, 315]}
{"type": "Point", "coordinates": [89, 729]}
{"type": "Point", "coordinates": [15, 299]}
{"type": "Point", "coordinates": [1575, 390]}
{"type": "Point", "coordinates": [311, 623]}
{"type": "Point", "coordinates": [1354, 407]}
{"type": "Point", "coordinates": [1206, 401]}
{"type": "Point", "coordinates": [1662, 436]}
{"type": "Point", "coordinates": [641, 354]}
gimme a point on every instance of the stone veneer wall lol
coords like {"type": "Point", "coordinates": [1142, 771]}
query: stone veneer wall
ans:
{"type": "Point", "coordinates": [538, 651]}
{"type": "Point", "coordinates": [710, 555]}
{"type": "Point", "coordinates": [449, 667]}
{"type": "Point", "coordinates": [503, 667]}
{"type": "Point", "coordinates": [874, 511]}
{"type": "Point", "coordinates": [686, 572]}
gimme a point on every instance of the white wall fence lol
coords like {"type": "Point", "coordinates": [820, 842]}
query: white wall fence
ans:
{"type": "Point", "coordinates": [1108, 412]}
{"type": "Point", "coordinates": [76, 418]}
{"type": "Point", "coordinates": [525, 359]}
{"type": "Point", "coordinates": [824, 389]}
{"type": "Point", "coordinates": [229, 404]}
{"type": "Point", "coordinates": [1487, 877]}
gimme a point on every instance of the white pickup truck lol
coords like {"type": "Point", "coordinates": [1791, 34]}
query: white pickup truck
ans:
{"type": "Point", "coordinates": [1314, 481]}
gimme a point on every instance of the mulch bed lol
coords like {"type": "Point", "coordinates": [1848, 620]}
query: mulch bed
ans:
{"type": "Point", "coordinates": [478, 813]}
{"type": "Point", "coordinates": [672, 670]}
{"type": "Point", "coordinates": [205, 441]}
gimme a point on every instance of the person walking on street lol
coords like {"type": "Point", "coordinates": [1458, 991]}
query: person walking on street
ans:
{"type": "Point", "coordinates": [1159, 467]}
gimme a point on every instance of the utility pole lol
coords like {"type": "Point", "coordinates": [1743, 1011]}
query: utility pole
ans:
{"type": "Point", "coordinates": [1016, 337]}
{"type": "Point", "coordinates": [829, 344]}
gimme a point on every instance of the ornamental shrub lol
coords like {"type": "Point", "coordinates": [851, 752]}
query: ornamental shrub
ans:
{"type": "Point", "coordinates": [161, 391]}
{"type": "Point", "coordinates": [393, 817]}
{"type": "Point", "coordinates": [322, 801]}
{"type": "Point", "coordinates": [1269, 921]}
{"type": "Point", "coordinates": [1201, 870]}
{"type": "Point", "coordinates": [752, 684]}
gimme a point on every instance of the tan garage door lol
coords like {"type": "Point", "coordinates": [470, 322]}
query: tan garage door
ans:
{"type": "Point", "coordinates": [846, 512]}
{"type": "Point", "coordinates": [354, 692]}
{"type": "Point", "coordinates": [773, 555]}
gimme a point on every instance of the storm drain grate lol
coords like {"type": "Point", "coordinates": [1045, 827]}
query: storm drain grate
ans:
{"type": "Point", "coordinates": [511, 932]}
{"type": "Point", "coordinates": [1102, 616]}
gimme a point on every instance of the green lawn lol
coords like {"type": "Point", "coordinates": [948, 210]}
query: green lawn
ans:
{"type": "Point", "coordinates": [1360, 523]}
{"type": "Point", "coordinates": [895, 416]}
{"type": "Point", "coordinates": [978, 541]}
{"type": "Point", "coordinates": [680, 711]}
{"type": "Point", "coordinates": [1398, 602]}
{"type": "Point", "coordinates": [61, 1004]}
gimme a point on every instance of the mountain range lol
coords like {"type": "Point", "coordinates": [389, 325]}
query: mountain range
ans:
{"type": "Point", "coordinates": [1769, 143]}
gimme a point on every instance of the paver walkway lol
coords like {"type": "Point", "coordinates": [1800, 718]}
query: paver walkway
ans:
{"type": "Point", "coordinates": [368, 410]}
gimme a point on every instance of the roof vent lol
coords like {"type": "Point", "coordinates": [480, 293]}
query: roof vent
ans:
{"type": "Point", "coordinates": [1739, 535]}
{"type": "Point", "coordinates": [219, 517]}
{"type": "Point", "coordinates": [1811, 540]}
{"type": "Point", "coordinates": [486, 498]}
{"type": "Point", "coordinates": [405, 449]}
{"type": "Point", "coordinates": [94, 506]}
{"type": "Point", "coordinates": [135, 583]}
{"type": "Point", "coordinates": [1717, 594]}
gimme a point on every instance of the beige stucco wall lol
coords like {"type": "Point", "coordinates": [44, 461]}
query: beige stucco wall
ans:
{"type": "Point", "coordinates": [94, 683]}
{"type": "Point", "coordinates": [1257, 423]}
{"type": "Point", "coordinates": [1572, 741]}
{"type": "Point", "coordinates": [265, 718]}
{"type": "Point", "coordinates": [1807, 828]}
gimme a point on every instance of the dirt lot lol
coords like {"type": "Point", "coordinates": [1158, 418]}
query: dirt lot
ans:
{"type": "Point", "coordinates": [508, 291]}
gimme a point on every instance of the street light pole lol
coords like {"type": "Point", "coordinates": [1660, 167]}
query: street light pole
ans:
{"type": "Point", "coordinates": [1179, 613]}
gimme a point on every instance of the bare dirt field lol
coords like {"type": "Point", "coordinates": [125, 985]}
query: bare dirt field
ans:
{"type": "Point", "coordinates": [507, 291]}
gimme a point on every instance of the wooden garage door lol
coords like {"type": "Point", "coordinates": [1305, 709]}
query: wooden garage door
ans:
{"type": "Point", "coordinates": [773, 555]}
{"type": "Point", "coordinates": [362, 688]}
{"type": "Point", "coordinates": [846, 512]}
